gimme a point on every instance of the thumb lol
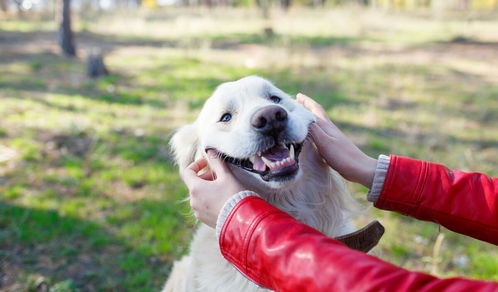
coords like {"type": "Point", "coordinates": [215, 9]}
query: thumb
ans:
{"type": "Point", "coordinates": [217, 164]}
{"type": "Point", "coordinates": [319, 135]}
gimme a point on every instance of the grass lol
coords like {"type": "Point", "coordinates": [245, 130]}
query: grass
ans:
{"type": "Point", "coordinates": [92, 200]}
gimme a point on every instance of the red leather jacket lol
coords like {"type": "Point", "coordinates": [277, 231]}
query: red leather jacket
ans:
{"type": "Point", "coordinates": [278, 252]}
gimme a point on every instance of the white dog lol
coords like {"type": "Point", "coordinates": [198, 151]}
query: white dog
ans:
{"type": "Point", "coordinates": [263, 134]}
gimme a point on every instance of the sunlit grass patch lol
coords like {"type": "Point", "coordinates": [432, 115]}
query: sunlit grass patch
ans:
{"type": "Point", "coordinates": [83, 158]}
{"type": "Point", "coordinates": [26, 26]}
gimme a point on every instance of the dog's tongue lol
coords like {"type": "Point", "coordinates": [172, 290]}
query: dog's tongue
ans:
{"type": "Point", "coordinates": [276, 153]}
{"type": "Point", "coordinates": [258, 164]}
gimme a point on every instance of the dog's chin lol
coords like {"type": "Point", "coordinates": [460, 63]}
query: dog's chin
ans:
{"type": "Point", "coordinates": [281, 182]}
{"type": "Point", "coordinates": [256, 183]}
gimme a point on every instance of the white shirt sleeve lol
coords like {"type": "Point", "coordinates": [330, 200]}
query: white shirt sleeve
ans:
{"type": "Point", "coordinates": [379, 178]}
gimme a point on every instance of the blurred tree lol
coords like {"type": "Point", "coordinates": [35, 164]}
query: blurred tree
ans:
{"type": "Point", "coordinates": [286, 4]}
{"type": "Point", "coordinates": [464, 4]}
{"type": "Point", "coordinates": [18, 4]}
{"type": "Point", "coordinates": [66, 41]}
{"type": "Point", "coordinates": [3, 5]}
{"type": "Point", "coordinates": [150, 3]}
{"type": "Point", "coordinates": [264, 5]}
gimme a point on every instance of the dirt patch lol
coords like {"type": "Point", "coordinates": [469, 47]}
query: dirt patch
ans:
{"type": "Point", "coordinates": [78, 145]}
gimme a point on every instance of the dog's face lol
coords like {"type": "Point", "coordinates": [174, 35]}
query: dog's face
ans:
{"type": "Point", "coordinates": [254, 126]}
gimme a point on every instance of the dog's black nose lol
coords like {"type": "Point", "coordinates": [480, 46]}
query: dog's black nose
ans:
{"type": "Point", "coordinates": [269, 120]}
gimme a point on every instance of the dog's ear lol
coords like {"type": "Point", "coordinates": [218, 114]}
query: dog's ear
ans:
{"type": "Point", "coordinates": [184, 144]}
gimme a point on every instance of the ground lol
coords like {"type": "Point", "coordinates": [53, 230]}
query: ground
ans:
{"type": "Point", "coordinates": [89, 197]}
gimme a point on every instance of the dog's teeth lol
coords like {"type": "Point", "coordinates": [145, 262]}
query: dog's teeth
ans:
{"type": "Point", "coordinates": [291, 152]}
{"type": "Point", "coordinates": [251, 159]}
{"type": "Point", "coordinates": [267, 162]}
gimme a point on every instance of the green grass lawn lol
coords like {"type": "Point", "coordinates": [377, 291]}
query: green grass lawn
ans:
{"type": "Point", "coordinates": [91, 200]}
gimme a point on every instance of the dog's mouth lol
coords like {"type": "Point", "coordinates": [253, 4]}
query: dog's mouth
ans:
{"type": "Point", "coordinates": [279, 162]}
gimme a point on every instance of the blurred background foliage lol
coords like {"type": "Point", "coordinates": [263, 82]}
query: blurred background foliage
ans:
{"type": "Point", "coordinates": [89, 197]}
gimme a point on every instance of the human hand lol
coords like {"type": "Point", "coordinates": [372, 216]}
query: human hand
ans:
{"type": "Point", "coordinates": [210, 190]}
{"type": "Point", "coordinates": [336, 148]}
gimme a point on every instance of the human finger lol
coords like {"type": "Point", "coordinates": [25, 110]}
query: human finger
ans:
{"type": "Point", "coordinates": [208, 175]}
{"type": "Point", "coordinates": [198, 165]}
{"type": "Point", "coordinates": [189, 174]}
{"type": "Point", "coordinates": [312, 106]}
{"type": "Point", "coordinates": [217, 165]}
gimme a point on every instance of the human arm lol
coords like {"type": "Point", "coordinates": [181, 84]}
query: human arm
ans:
{"type": "Point", "coordinates": [466, 203]}
{"type": "Point", "coordinates": [278, 252]}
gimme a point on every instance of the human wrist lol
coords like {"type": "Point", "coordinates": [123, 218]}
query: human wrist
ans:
{"type": "Point", "coordinates": [366, 171]}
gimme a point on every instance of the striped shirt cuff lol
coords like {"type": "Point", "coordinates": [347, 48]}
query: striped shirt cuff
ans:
{"type": "Point", "coordinates": [379, 178]}
{"type": "Point", "coordinates": [228, 206]}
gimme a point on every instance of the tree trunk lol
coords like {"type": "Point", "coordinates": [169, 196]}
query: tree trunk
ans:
{"type": "Point", "coordinates": [3, 5]}
{"type": "Point", "coordinates": [65, 33]}
{"type": "Point", "coordinates": [264, 5]}
{"type": "Point", "coordinates": [18, 4]}
{"type": "Point", "coordinates": [285, 4]}
{"type": "Point", "coordinates": [95, 66]}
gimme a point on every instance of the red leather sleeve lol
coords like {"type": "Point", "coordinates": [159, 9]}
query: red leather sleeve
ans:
{"type": "Point", "coordinates": [466, 203]}
{"type": "Point", "coordinates": [282, 254]}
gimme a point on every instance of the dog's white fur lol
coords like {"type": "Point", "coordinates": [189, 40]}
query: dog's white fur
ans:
{"type": "Point", "coordinates": [317, 196]}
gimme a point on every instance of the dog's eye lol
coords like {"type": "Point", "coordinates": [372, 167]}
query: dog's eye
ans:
{"type": "Point", "coordinates": [226, 117]}
{"type": "Point", "coordinates": [275, 99]}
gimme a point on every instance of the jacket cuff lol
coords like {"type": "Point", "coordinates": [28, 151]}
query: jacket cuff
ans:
{"type": "Point", "coordinates": [404, 184]}
{"type": "Point", "coordinates": [227, 208]}
{"type": "Point", "coordinates": [379, 178]}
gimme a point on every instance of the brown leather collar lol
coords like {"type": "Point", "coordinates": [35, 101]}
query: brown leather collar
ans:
{"type": "Point", "coordinates": [363, 239]}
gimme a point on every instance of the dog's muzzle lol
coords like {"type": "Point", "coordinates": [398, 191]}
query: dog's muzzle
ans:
{"type": "Point", "coordinates": [279, 160]}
